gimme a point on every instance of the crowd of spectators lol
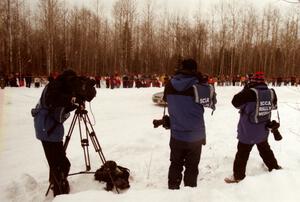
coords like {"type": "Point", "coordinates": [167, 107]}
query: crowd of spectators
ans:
{"type": "Point", "coordinates": [19, 80]}
{"type": "Point", "coordinates": [108, 81]}
{"type": "Point", "coordinates": [239, 80]}
{"type": "Point", "coordinates": [136, 80]}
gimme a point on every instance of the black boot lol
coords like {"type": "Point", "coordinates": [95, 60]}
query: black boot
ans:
{"type": "Point", "coordinates": [276, 168]}
{"type": "Point", "coordinates": [60, 184]}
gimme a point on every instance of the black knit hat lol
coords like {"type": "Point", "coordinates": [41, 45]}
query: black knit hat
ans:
{"type": "Point", "coordinates": [189, 64]}
{"type": "Point", "coordinates": [69, 73]}
{"type": "Point", "coordinates": [258, 77]}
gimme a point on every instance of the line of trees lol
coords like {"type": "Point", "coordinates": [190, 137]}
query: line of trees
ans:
{"type": "Point", "coordinates": [232, 39]}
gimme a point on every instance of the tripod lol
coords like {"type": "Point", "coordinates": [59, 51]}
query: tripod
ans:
{"type": "Point", "coordinates": [83, 120]}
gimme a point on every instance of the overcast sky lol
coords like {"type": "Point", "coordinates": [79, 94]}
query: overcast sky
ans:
{"type": "Point", "coordinates": [181, 6]}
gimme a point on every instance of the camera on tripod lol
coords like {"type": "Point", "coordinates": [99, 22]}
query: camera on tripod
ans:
{"type": "Point", "coordinates": [273, 126]}
{"type": "Point", "coordinates": [165, 122]}
{"type": "Point", "coordinates": [84, 88]}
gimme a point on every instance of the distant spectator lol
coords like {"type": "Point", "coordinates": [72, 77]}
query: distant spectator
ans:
{"type": "Point", "coordinates": [21, 81]}
{"type": "Point", "coordinates": [107, 81]}
{"type": "Point", "coordinates": [12, 80]}
{"type": "Point", "coordinates": [293, 81]}
{"type": "Point", "coordinates": [112, 82]}
{"type": "Point", "coordinates": [37, 82]}
{"type": "Point", "coordinates": [2, 80]}
{"type": "Point", "coordinates": [125, 81]}
{"type": "Point", "coordinates": [98, 83]}
{"type": "Point", "coordinates": [279, 81]}
{"type": "Point", "coordinates": [28, 80]}
{"type": "Point", "coordinates": [117, 80]}
{"type": "Point", "coordinates": [155, 83]}
{"type": "Point", "coordinates": [138, 83]}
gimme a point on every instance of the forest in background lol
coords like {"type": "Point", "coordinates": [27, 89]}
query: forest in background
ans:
{"type": "Point", "coordinates": [234, 38]}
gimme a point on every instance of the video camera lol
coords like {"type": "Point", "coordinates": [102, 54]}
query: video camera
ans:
{"type": "Point", "coordinates": [84, 88]}
{"type": "Point", "coordinates": [165, 122]}
{"type": "Point", "coordinates": [273, 125]}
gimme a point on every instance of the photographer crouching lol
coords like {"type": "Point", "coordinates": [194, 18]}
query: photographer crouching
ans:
{"type": "Point", "coordinates": [59, 97]}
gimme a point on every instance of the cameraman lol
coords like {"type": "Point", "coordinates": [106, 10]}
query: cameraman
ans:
{"type": "Point", "coordinates": [255, 101]}
{"type": "Point", "coordinates": [186, 123]}
{"type": "Point", "coordinates": [54, 107]}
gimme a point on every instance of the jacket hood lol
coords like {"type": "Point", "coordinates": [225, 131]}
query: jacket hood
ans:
{"type": "Point", "coordinates": [182, 82]}
{"type": "Point", "coordinates": [260, 85]}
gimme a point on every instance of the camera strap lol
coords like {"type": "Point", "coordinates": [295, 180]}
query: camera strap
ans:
{"type": "Point", "coordinates": [278, 116]}
{"type": "Point", "coordinates": [165, 106]}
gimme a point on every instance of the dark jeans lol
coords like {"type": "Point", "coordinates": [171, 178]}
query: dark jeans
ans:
{"type": "Point", "coordinates": [58, 162]}
{"type": "Point", "coordinates": [184, 154]}
{"type": "Point", "coordinates": [242, 155]}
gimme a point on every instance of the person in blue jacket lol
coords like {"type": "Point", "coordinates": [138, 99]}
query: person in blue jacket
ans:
{"type": "Point", "coordinates": [255, 102]}
{"type": "Point", "coordinates": [186, 123]}
{"type": "Point", "coordinates": [54, 107]}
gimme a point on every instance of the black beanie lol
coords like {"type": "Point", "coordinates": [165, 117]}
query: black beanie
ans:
{"type": "Point", "coordinates": [69, 73]}
{"type": "Point", "coordinates": [189, 64]}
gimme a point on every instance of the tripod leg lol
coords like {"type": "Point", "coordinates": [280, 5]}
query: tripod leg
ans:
{"type": "Point", "coordinates": [47, 192]}
{"type": "Point", "coordinates": [85, 144]}
{"type": "Point", "coordinates": [68, 137]}
{"type": "Point", "coordinates": [97, 146]}
{"type": "Point", "coordinates": [94, 140]}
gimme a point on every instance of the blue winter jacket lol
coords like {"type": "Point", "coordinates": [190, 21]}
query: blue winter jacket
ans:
{"type": "Point", "coordinates": [52, 110]}
{"type": "Point", "coordinates": [248, 131]}
{"type": "Point", "coordinates": [186, 116]}
{"type": "Point", "coordinates": [43, 123]}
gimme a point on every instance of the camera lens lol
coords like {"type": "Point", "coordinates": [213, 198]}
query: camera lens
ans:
{"type": "Point", "coordinates": [277, 135]}
{"type": "Point", "coordinates": [157, 123]}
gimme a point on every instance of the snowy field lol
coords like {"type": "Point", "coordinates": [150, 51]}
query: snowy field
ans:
{"type": "Point", "coordinates": [123, 125]}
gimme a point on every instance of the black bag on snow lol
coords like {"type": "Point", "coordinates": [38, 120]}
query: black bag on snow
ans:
{"type": "Point", "coordinates": [113, 175]}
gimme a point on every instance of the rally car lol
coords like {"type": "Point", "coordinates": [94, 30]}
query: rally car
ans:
{"type": "Point", "coordinates": [157, 98]}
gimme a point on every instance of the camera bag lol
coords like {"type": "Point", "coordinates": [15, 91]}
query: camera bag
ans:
{"type": "Point", "coordinates": [113, 175]}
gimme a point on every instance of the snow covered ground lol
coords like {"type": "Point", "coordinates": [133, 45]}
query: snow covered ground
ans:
{"type": "Point", "coordinates": [123, 125]}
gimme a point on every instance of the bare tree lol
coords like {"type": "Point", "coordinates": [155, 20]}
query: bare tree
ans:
{"type": "Point", "coordinates": [9, 24]}
{"type": "Point", "coordinates": [233, 39]}
{"type": "Point", "coordinates": [50, 18]}
{"type": "Point", "coordinates": [124, 17]}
